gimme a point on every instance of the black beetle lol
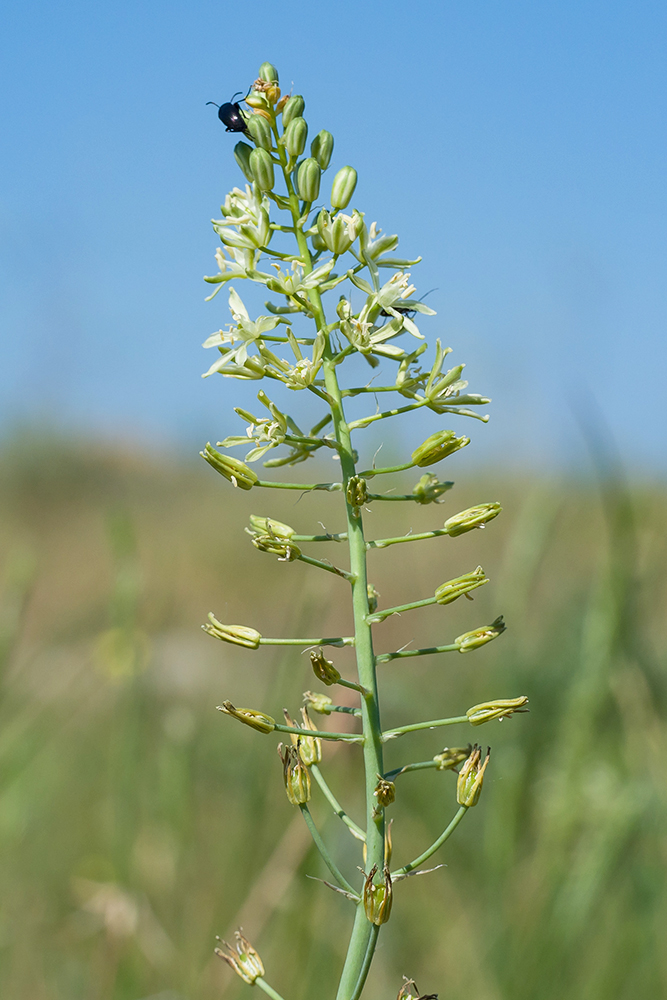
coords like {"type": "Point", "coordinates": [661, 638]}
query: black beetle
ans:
{"type": "Point", "coordinates": [230, 115]}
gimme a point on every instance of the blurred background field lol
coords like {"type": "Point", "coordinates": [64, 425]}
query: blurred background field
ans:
{"type": "Point", "coordinates": [136, 823]}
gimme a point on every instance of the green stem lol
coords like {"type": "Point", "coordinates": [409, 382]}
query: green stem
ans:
{"type": "Point", "coordinates": [322, 848]}
{"type": "Point", "coordinates": [361, 947]}
{"type": "Point", "coordinates": [391, 734]}
{"type": "Point", "coordinates": [321, 733]}
{"type": "Point", "coordinates": [339, 537]}
{"type": "Point", "coordinates": [365, 421]}
{"type": "Point", "coordinates": [304, 487]}
{"type": "Point", "coordinates": [368, 958]}
{"type": "Point", "coordinates": [369, 473]}
{"type": "Point", "coordinates": [381, 615]}
{"type": "Point", "coordinates": [269, 990]}
{"type": "Point", "coordinates": [434, 846]}
{"type": "Point", "coordinates": [383, 543]}
{"type": "Point", "coordinates": [388, 496]}
{"type": "Point", "coordinates": [335, 804]}
{"type": "Point", "coordinates": [426, 651]}
{"type": "Point", "coordinates": [421, 765]}
{"type": "Point", "coordinates": [340, 640]}
{"type": "Point", "coordinates": [329, 567]}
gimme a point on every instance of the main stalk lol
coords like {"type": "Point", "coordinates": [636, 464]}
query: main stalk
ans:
{"type": "Point", "coordinates": [363, 939]}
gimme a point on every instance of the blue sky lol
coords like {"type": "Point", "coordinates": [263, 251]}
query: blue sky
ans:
{"type": "Point", "coordinates": [519, 147]}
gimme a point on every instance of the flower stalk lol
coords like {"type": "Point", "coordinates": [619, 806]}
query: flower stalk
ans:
{"type": "Point", "coordinates": [324, 251]}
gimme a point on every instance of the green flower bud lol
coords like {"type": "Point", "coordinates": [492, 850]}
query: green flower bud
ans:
{"type": "Point", "coordinates": [285, 550]}
{"type": "Point", "coordinates": [267, 526]}
{"type": "Point", "coordinates": [295, 137]}
{"type": "Point", "coordinates": [473, 517]}
{"type": "Point", "coordinates": [372, 598]}
{"type": "Point", "coordinates": [235, 471]}
{"type": "Point", "coordinates": [339, 235]}
{"type": "Point", "coordinates": [260, 130]}
{"type": "Point", "coordinates": [268, 73]}
{"type": "Point", "coordinates": [450, 758]}
{"type": "Point", "coordinates": [261, 165]}
{"type": "Point", "coordinates": [242, 153]}
{"type": "Point", "coordinates": [378, 898]}
{"type": "Point", "coordinates": [429, 489]}
{"type": "Point", "coordinates": [320, 703]}
{"type": "Point", "coordinates": [480, 636]}
{"type": "Point", "coordinates": [471, 776]}
{"type": "Point", "coordinates": [257, 100]}
{"type": "Point", "coordinates": [249, 717]}
{"type": "Point", "coordinates": [321, 148]}
{"type": "Point", "coordinates": [324, 669]}
{"type": "Point", "coordinates": [502, 708]}
{"type": "Point", "coordinates": [294, 108]}
{"type": "Point", "coordinates": [356, 493]}
{"type": "Point", "coordinates": [454, 589]}
{"type": "Point", "coordinates": [245, 961]}
{"type": "Point", "coordinates": [344, 308]}
{"type": "Point", "coordinates": [295, 775]}
{"type": "Point", "coordinates": [309, 747]}
{"type": "Point", "coordinates": [343, 187]}
{"type": "Point", "coordinates": [238, 635]}
{"type": "Point", "coordinates": [385, 792]}
{"type": "Point", "coordinates": [308, 180]}
{"type": "Point", "coordinates": [437, 446]}
{"type": "Point", "coordinates": [317, 241]}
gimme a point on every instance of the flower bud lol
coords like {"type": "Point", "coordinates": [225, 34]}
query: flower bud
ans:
{"type": "Point", "coordinates": [242, 153]}
{"type": "Point", "coordinates": [260, 130]}
{"type": "Point", "coordinates": [450, 758]}
{"type": "Point", "coordinates": [385, 792]}
{"type": "Point", "coordinates": [249, 717]}
{"type": "Point", "coordinates": [429, 489]}
{"type": "Point", "coordinates": [372, 598]}
{"type": "Point", "coordinates": [437, 446]}
{"type": "Point", "coordinates": [295, 775]}
{"type": "Point", "coordinates": [378, 898]}
{"type": "Point", "coordinates": [320, 703]}
{"type": "Point", "coordinates": [344, 308]}
{"type": "Point", "coordinates": [295, 137]}
{"type": "Point", "coordinates": [285, 550]}
{"type": "Point", "coordinates": [261, 165]}
{"type": "Point", "coordinates": [257, 101]}
{"type": "Point", "coordinates": [238, 635]}
{"type": "Point", "coordinates": [454, 589]}
{"type": "Point", "coordinates": [471, 776]}
{"type": "Point", "coordinates": [308, 180]}
{"type": "Point", "coordinates": [338, 235]}
{"type": "Point", "coordinates": [232, 469]}
{"type": "Point", "coordinates": [321, 148]}
{"type": "Point", "coordinates": [501, 709]}
{"type": "Point", "coordinates": [309, 747]}
{"type": "Point", "coordinates": [343, 187]}
{"type": "Point", "coordinates": [244, 961]}
{"type": "Point", "coordinates": [268, 73]}
{"type": "Point", "coordinates": [324, 669]}
{"type": "Point", "coordinates": [480, 636]}
{"type": "Point", "coordinates": [267, 526]}
{"type": "Point", "coordinates": [356, 493]}
{"type": "Point", "coordinates": [294, 108]}
{"type": "Point", "coordinates": [473, 517]}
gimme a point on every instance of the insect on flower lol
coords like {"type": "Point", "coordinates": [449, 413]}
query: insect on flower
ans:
{"type": "Point", "coordinates": [230, 114]}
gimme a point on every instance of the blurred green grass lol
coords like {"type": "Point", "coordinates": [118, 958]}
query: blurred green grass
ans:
{"type": "Point", "coordinates": [136, 822]}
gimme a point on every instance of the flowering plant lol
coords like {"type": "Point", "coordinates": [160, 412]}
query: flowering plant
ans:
{"type": "Point", "coordinates": [335, 252]}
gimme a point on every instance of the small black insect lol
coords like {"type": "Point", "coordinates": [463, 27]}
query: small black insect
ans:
{"type": "Point", "coordinates": [406, 310]}
{"type": "Point", "coordinates": [230, 115]}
